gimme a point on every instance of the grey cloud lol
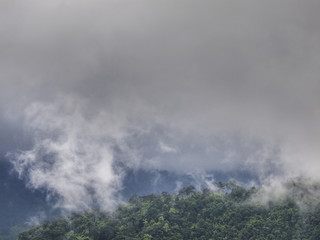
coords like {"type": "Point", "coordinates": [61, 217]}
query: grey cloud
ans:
{"type": "Point", "coordinates": [226, 84]}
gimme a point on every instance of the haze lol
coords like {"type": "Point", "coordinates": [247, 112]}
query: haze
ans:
{"type": "Point", "coordinates": [94, 89]}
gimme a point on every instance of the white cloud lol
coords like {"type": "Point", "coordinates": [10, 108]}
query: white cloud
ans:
{"type": "Point", "coordinates": [166, 149]}
{"type": "Point", "coordinates": [72, 157]}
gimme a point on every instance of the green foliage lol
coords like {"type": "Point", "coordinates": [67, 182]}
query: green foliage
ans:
{"type": "Point", "coordinates": [225, 214]}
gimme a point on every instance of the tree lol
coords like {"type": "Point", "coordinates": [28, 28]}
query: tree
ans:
{"type": "Point", "coordinates": [187, 191]}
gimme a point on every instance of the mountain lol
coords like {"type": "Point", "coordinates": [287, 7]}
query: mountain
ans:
{"type": "Point", "coordinates": [227, 213]}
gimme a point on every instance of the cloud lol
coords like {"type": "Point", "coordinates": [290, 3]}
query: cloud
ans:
{"type": "Point", "coordinates": [304, 191]}
{"type": "Point", "coordinates": [72, 157]}
{"type": "Point", "coordinates": [168, 85]}
{"type": "Point", "coordinates": [166, 149]}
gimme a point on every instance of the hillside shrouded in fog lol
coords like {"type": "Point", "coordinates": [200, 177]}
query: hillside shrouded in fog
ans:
{"type": "Point", "coordinates": [104, 99]}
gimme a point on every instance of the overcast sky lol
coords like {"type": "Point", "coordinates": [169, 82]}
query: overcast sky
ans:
{"type": "Point", "coordinates": [184, 86]}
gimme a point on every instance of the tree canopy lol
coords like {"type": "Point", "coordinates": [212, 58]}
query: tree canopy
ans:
{"type": "Point", "coordinates": [224, 214]}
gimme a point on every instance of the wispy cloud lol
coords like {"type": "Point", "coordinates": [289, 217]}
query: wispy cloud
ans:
{"type": "Point", "coordinates": [164, 85]}
{"type": "Point", "coordinates": [72, 157]}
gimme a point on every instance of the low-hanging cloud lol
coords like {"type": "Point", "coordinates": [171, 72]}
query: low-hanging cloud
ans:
{"type": "Point", "coordinates": [72, 157]}
{"type": "Point", "coordinates": [181, 86]}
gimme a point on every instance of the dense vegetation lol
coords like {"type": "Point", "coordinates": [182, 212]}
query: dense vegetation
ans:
{"type": "Point", "coordinates": [224, 214]}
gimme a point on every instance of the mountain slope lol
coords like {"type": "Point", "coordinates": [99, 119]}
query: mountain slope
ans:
{"type": "Point", "coordinates": [225, 214]}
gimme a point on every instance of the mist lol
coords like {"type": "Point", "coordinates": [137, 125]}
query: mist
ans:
{"type": "Point", "coordinates": [92, 89]}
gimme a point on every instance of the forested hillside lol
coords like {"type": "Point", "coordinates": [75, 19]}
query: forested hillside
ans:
{"type": "Point", "coordinates": [223, 214]}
